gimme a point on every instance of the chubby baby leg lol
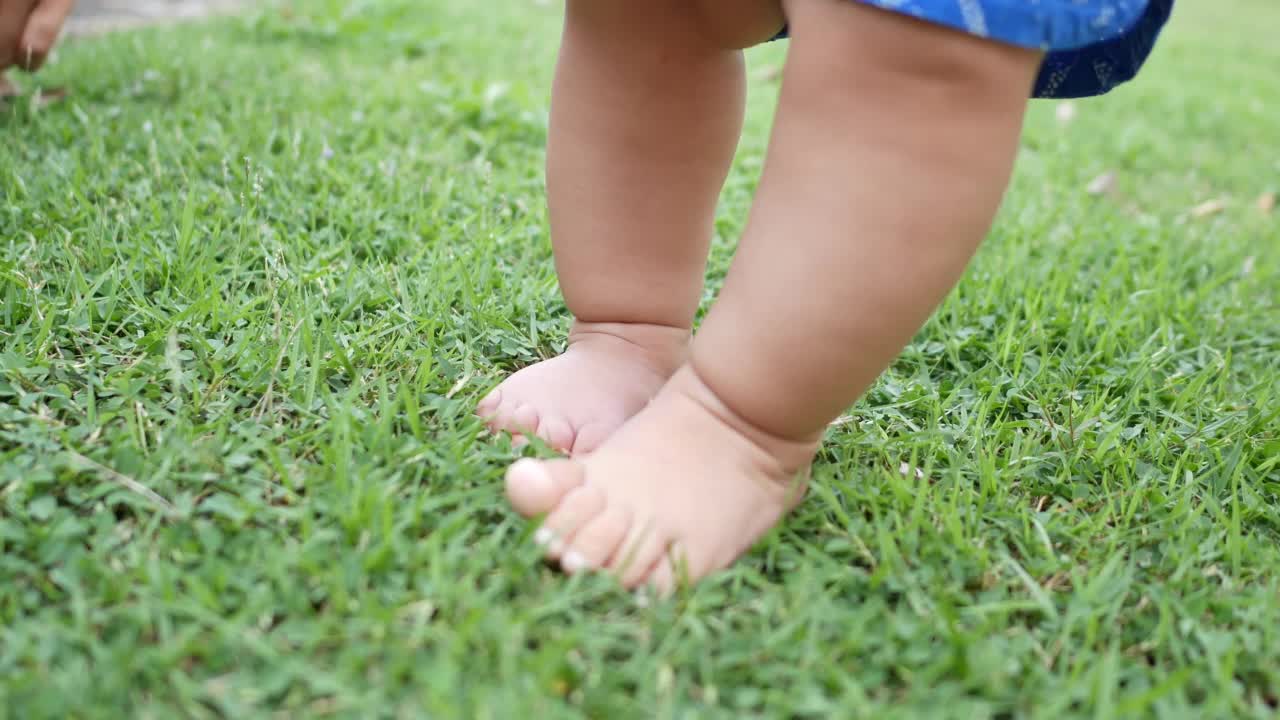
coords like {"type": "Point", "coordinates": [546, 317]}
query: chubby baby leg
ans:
{"type": "Point", "coordinates": [892, 148]}
{"type": "Point", "coordinates": [645, 116]}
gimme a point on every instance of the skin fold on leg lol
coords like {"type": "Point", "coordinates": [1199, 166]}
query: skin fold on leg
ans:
{"type": "Point", "coordinates": [892, 147]}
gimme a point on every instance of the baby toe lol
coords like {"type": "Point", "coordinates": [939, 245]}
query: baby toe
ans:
{"type": "Point", "coordinates": [523, 421]}
{"type": "Point", "coordinates": [662, 578]}
{"type": "Point", "coordinates": [638, 555]}
{"type": "Point", "coordinates": [535, 487]}
{"type": "Point", "coordinates": [589, 437]}
{"type": "Point", "coordinates": [490, 403]}
{"type": "Point", "coordinates": [674, 570]}
{"type": "Point", "coordinates": [519, 422]}
{"type": "Point", "coordinates": [578, 507]}
{"type": "Point", "coordinates": [596, 541]}
{"type": "Point", "coordinates": [557, 433]}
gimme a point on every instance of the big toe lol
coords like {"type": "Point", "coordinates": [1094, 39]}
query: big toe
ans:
{"type": "Point", "coordinates": [535, 487]}
{"type": "Point", "coordinates": [489, 404]}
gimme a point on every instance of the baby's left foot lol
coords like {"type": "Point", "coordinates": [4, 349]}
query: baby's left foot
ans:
{"type": "Point", "coordinates": [681, 490]}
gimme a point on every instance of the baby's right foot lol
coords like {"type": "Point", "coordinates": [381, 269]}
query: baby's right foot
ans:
{"type": "Point", "coordinates": [575, 401]}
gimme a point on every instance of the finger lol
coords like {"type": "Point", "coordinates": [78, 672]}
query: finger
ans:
{"type": "Point", "coordinates": [13, 21]}
{"type": "Point", "coordinates": [42, 31]}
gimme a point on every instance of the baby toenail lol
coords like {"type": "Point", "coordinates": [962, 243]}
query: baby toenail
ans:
{"type": "Point", "coordinates": [531, 474]}
{"type": "Point", "coordinates": [544, 536]}
{"type": "Point", "coordinates": [555, 547]}
{"type": "Point", "coordinates": [573, 562]}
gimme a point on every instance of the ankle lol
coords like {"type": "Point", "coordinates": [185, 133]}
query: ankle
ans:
{"type": "Point", "coordinates": [663, 347]}
{"type": "Point", "coordinates": [793, 454]}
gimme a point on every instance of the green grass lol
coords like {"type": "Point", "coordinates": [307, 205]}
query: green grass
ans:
{"type": "Point", "coordinates": [264, 266]}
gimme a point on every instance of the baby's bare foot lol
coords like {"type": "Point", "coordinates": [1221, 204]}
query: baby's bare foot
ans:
{"type": "Point", "coordinates": [686, 486]}
{"type": "Point", "coordinates": [574, 401]}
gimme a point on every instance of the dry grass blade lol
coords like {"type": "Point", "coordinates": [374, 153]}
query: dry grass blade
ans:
{"type": "Point", "coordinates": [1267, 202]}
{"type": "Point", "coordinates": [1211, 207]}
{"type": "Point", "coordinates": [457, 387]}
{"type": "Point", "coordinates": [1104, 184]}
{"type": "Point", "coordinates": [125, 481]}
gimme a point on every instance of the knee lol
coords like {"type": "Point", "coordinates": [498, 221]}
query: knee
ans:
{"type": "Point", "coordinates": [696, 26]}
{"type": "Point", "coordinates": [736, 24]}
{"type": "Point", "coordinates": [693, 24]}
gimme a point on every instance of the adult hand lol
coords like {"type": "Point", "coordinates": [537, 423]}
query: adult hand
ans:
{"type": "Point", "coordinates": [28, 30]}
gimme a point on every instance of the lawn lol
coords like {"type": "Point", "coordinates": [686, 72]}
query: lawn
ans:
{"type": "Point", "coordinates": [256, 271]}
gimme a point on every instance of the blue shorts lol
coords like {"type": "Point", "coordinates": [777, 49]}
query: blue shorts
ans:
{"type": "Point", "coordinates": [1091, 45]}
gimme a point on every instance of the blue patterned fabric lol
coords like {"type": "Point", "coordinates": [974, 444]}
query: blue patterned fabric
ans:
{"type": "Point", "coordinates": [1091, 45]}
